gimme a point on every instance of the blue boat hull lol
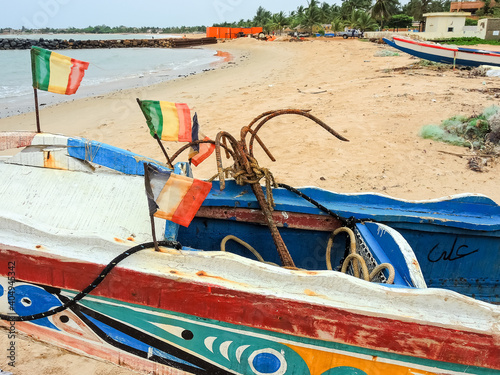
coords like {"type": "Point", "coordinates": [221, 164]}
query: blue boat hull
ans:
{"type": "Point", "coordinates": [438, 58]}
{"type": "Point", "coordinates": [456, 241]}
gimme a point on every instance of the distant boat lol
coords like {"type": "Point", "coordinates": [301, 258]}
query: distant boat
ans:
{"type": "Point", "coordinates": [446, 54]}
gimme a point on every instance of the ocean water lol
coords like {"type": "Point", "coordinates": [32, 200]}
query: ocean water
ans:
{"type": "Point", "coordinates": [109, 70]}
{"type": "Point", "coordinates": [91, 36]}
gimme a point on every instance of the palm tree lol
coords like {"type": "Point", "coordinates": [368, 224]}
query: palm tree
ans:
{"type": "Point", "coordinates": [366, 22]}
{"type": "Point", "coordinates": [326, 12]}
{"type": "Point", "coordinates": [383, 9]}
{"type": "Point", "coordinates": [262, 17]}
{"type": "Point", "coordinates": [414, 9]}
{"type": "Point", "coordinates": [312, 15]}
{"type": "Point", "coordinates": [337, 24]}
{"type": "Point", "coordinates": [353, 20]}
{"type": "Point", "coordinates": [279, 21]}
{"type": "Point", "coordinates": [350, 5]}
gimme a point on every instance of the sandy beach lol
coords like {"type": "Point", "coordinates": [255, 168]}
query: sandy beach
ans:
{"type": "Point", "coordinates": [378, 103]}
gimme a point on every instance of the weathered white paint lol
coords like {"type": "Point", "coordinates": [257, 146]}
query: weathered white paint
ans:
{"type": "Point", "coordinates": [49, 157]}
{"type": "Point", "coordinates": [60, 205]}
{"type": "Point", "coordinates": [411, 260]}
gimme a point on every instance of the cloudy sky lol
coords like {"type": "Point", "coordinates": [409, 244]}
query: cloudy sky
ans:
{"type": "Point", "coordinates": [162, 13]}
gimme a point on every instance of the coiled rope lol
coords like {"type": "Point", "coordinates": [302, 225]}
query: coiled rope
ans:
{"type": "Point", "coordinates": [357, 260]}
{"type": "Point", "coordinates": [94, 284]}
{"type": "Point", "coordinates": [243, 243]}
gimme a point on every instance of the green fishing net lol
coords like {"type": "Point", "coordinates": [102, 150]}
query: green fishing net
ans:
{"type": "Point", "coordinates": [462, 131]}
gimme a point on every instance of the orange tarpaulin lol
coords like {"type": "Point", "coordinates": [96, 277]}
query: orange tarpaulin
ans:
{"type": "Point", "coordinates": [231, 32]}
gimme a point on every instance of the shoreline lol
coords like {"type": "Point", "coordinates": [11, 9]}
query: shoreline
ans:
{"type": "Point", "coordinates": [379, 109]}
{"type": "Point", "coordinates": [12, 106]}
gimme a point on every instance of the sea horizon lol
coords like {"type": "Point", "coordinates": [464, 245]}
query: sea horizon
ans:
{"type": "Point", "coordinates": [90, 36]}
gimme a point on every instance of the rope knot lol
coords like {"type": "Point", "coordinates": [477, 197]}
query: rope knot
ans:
{"type": "Point", "coordinates": [242, 177]}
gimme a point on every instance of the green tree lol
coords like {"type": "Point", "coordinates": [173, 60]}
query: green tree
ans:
{"type": "Point", "coordinates": [350, 5]}
{"type": "Point", "coordinates": [439, 6]}
{"type": "Point", "coordinates": [489, 11]}
{"type": "Point", "coordinates": [326, 11]}
{"type": "Point", "coordinates": [279, 21]}
{"type": "Point", "coordinates": [262, 17]}
{"type": "Point", "coordinates": [400, 21]}
{"type": "Point", "coordinates": [338, 24]}
{"type": "Point", "coordinates": [312, 16]}
{"type": "Point", "coordinates": [366, 22]}
{"type": "Point", "coordinates": [413, 9]}
{"type": "Point", "coordinates": [353, 19]}
{"type": "Point", "coordinates": [382, 10]}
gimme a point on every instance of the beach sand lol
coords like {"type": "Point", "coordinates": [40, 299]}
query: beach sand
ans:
{"type": "Point", "coordinates": [361, 96]}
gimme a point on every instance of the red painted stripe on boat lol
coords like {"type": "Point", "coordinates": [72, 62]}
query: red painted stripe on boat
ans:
{"type": "Point", "coordinates": [11, 140]}
{"type": "Point", "coordinates": [268, 312]}
{"type": "Point", "coordinates": [424, 44]}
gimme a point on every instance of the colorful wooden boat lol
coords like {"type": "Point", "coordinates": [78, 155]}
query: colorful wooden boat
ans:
{"type": "Point", "coordinates": [446, 54]}
{"type": "Point", "coordinates": [69, 207]}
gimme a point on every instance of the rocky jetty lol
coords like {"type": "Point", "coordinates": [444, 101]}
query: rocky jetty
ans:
{"type": "Point", "coordinates": [54, 44]}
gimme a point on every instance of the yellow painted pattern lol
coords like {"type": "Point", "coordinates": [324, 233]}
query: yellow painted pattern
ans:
{"type": "Point", "coordinates": [60, 69]}
{"type": "Point", "coordinates": [170, 121]}
{"type": "Point", "coordinates": [320, 361]}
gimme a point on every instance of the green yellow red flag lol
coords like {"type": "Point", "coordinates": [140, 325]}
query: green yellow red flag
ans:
{"type": "Point", "coordinates": [56, 73]}
{"type": "Point", "coordinates": [169, 121]}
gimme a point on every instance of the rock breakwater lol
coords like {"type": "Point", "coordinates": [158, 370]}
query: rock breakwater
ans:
{"type": "Point", "coordinates": [54, 44]}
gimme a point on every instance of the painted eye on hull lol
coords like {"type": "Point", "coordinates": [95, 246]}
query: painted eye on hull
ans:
{"type": "Point", "coordinates": [267, 362]}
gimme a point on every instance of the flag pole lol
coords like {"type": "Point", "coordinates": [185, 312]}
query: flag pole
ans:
{"type": "Point", "coordinates": [36, 111]}
{"type": "Point", "coordinates": [159, 142]}
{"type": "Point", "coordinates": [164, 152]}
{"type": "Point", "coordinates": [153, 232]}
{"type": "Point", "coordinates": [151, 215]}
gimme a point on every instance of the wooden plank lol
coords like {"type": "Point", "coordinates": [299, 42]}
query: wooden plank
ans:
{"type": "Point", "coordinates": [203, 298]}
{"type": "Point", "coordinates": [281, 218]}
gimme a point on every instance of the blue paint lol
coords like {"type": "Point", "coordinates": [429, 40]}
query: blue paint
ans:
{"type": "Point", "coordinates": [1, 291]}
{"type": "Point", "coordinates": [147, 320]}
{"type": "Point", "coordinates": [385, 250]}
{"type": "Point", "coordinates": [474, 50]}
{"type": "Point", "coordinates": [453, 227]}
{"type": "Point", "coordinates": [125, 339]}
{"type": "Point", "coordinates": [31, 300]}
{"type": "Point", "coordinates": [183, 169]}
{"type": "Point", "coordinates": [466, 212]}
{"type": "Point", "coordinates": [475, 275]}
{"type": "Point", "coordinates": [266, 363]}
{"type": "Point", "coordinates": [308, 248]}
{"type": "Point", "coordinates": [111, 157]}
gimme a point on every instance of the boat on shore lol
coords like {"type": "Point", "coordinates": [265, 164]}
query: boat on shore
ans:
{"type": "Point", "coordinates": [377, 285]}
{"type": "Point", "coordinates": [445, 54]}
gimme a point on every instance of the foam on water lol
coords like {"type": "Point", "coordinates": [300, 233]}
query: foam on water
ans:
{"type": "Point", "coordinates": [109, 70]}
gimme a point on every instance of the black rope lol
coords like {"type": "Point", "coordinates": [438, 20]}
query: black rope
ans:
{"type": "Point", "coordinates": [347, 222]}
{"type": "Point", "coordinates": [94, 284]}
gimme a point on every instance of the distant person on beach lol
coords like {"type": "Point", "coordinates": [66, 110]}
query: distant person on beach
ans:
{"type": "Point", "coordinates": [353, 33]}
